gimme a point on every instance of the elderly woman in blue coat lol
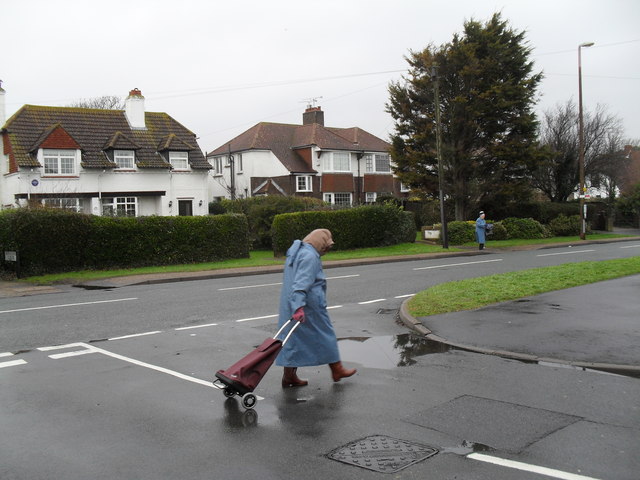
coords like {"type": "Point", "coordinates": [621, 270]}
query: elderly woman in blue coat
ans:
{"type": "Point", "coordinates": [304, 299]}
{"type": "Point", "coordinates": [481, 230]}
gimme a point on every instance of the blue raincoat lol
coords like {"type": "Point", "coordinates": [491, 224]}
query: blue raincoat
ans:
{"type": "Point", "coordinates": [481, 230]}
{"type": "Point", "coordinates": [314, 342]}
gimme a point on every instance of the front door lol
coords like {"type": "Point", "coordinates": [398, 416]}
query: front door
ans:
{"type": "Point", "coordinates": [185, 208]}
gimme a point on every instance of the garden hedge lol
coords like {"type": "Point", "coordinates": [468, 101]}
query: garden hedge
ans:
{"type": "Point", "coordinates": [51, 241]}
{"type": "Point", "coordinates": [360, 227]}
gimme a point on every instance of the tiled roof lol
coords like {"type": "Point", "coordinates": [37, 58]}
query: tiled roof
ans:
{"type": "Point", "coordinates": [283, 140]}
{"type": "Point", "coordinates": [97, 130]}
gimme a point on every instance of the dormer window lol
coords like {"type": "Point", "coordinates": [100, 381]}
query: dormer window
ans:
{"type": "Point", "coordinates": [59, 162]}
{"type": "Point", "coordinates": [179, 160]}
{"type": "Point", "coordinates": [125, 159]}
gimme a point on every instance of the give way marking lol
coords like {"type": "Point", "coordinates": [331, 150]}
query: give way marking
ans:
{"type": "Point", "coordinates": [549, 472]}
{"type": "Point", "coordinates": [86, 349]}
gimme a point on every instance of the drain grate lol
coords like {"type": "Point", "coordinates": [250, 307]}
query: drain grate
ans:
{"type": "Point", "coordinates": [382, 454]}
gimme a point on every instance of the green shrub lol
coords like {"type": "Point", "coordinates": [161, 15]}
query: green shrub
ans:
{"type": "Point", "coordinates": [360, 227]}
{"type": "Point", "coordinates": [524, 228]}
{"type": "Point", "coordinates": [51, 241]}
{"type": "Point", "coordinates": [499, 232]}
{"type": "Point", "coordinates": [260, 212]}
{"type": "Point", "coordinates": [563, 226]}
{"type": "Point", "coordinates": [459, 232]}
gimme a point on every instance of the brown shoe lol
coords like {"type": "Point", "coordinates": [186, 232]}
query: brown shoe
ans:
{"type": "Point", "coordinates": [290, 378]}
{"type": "Point", "coordinates": [338, 371]}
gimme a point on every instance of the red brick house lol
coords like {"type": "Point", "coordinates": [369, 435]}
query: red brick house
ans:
{"type": "Point", "coordinates": [343, 166]}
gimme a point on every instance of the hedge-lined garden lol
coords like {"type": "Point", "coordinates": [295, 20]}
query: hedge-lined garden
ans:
{"type": "Point", "coordinates": [515, 228]}
{"type": "Point", "coordinates": [360, 227]}
{"type": "Point", "coordinates": [52, 241]}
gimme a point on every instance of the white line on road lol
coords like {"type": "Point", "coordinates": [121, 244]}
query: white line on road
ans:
{"type": "Point", "coordinates": [564, 253]}
{"type": "Point", "coordinates": [58, 356]}
{"type": "Point", "coordinates": [198, 326]}
{"type": "Point", "coordinates": [405, 296]}
{"type": "Point", "coordinates": [60, 347]}
{"type": "Point", "coordinates": [6, 354]}
{"type": "Point", "coordinates": [372, 301]}
{"type": "Point", "coordinates": [335, 306]}
{"type": "Point", "coordinates": [278, 283]}
{"type": "Point", "coordinates": [255, 318]}
{"type": "Point", "coordinates": [67, 305]}
{"type": "Point", "coordinates": [12, 363]}
{"type": "Point", "coordinates": [250, 286]}
{"type": "Point", "coordinates": [92, 349]}
{"type": "Point", "coordinates": [631, 246]}
{"type": "Point", "coordinates": [135, 335]}
{"type": "Point", "coordinates": [528, 468]}
{"type": "Point", "coordinates": [459, 264]}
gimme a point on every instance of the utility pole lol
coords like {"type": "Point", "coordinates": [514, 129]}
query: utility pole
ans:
{"type": "Point", "coordinates": [436, 94]}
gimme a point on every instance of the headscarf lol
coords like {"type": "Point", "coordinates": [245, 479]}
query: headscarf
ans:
{"type": "Point", "coordinates": [319, 239]}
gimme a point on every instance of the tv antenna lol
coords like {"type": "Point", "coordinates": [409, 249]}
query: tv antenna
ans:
{"type": "Point", "coordinates": [311, 102]}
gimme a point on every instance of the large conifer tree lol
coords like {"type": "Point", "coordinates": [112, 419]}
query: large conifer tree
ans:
{"type": "Point", "coordinates": [487, 94]}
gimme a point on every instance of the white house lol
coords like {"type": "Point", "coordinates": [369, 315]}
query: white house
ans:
{"type": "Point", "coordinates": [104, 162]}
{"type": "Point", "coordinates": [342, 166]}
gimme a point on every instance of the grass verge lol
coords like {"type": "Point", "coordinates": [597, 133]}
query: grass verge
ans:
{"type": "Point", "coordinates": [258, 258]}
{"type": "Point", "coordinates": [474, 293]}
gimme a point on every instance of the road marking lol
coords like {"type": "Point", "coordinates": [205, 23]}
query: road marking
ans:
{"type": "Point", "coordinates": [135, 335]}
{"type": "Point", "coordinates": [528, 468]}
{"type": "Point", "coordinates": [92, 349]}
{"type": "Point", "coordinates": [6, 354]}
{"type": "Point", "coordinates": [405, 296]}
{"type": "Point", "coordinates": [278, 283]}
{"type": "Point", "coordinates": [335, 306]}
{"type": "Point", "coordinates": [255, 318]}
{"type": "Point", "coordinates": [372, 301]}
{"type": "Point", "coordinates": [564, 253]}
{"type": "Point", "coordinates": [58, 356]}
{"type": "Point", "coordinates": [459, 264]}
{"type": "Point", "coordinates": [59, 347]}
{"type": "Point", "coordinates": [197, 326]}
{"type": "Point", "coordinates": [68, 305]}
{"type": "Point", "coordinates": [631, 246]}
{"type": "Point", "coordinates": [250, 286]}
{"type": "Point", "coordinates": [12, 363]}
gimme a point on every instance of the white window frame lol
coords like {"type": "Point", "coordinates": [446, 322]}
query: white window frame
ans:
{"type": "Point", "coordinates": [239, 166]}
{"type": "Point", "coordinates": [374, 160]}
{"type": "Point", "coordinates": [331, 197]}
{"type": "Point", "coordinates": [179, 160]}
{"type": "Point", "coordinates": [304, 183]}
{"type": "Point", "coordinates": [59, 163]}
{"type": "Point", "coordinates": [120, 206]}
{"type": "Point", "coordinates": [72, 204]}
{"type": "Point", "coordinates": [124, 159]}
{"type": "Point", "coordinates": [370, 197]}
{"type": "Point", "coordinates": [217, 166]}
{"type": "Point", "coordinates": [333, 161]}
{"type": "Point", "coordinates": [404, 188]}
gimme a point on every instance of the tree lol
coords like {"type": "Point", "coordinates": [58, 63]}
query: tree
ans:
{"type": "Point", "coordinates": [558, 175]}
{"type": "Point", "coordinates": [487, 94]}
{"type": "Point", "coordinates": [105, 102]}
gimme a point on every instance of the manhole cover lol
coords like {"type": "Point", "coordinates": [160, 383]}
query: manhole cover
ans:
{"type": "Point", "coordinates": [382, 454]}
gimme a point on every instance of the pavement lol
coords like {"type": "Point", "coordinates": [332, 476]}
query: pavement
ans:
{"type": "Point", "coordinates": [594, 326]}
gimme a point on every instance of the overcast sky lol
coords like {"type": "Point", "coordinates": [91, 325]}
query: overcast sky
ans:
{"type": "Point", "coordinates": [220, 67]}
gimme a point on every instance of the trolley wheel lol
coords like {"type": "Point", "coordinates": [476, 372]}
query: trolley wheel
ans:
{"type": "Point", "coordinates": [249, 400]}
{"type": "Point", "coordinates": [228, 392]}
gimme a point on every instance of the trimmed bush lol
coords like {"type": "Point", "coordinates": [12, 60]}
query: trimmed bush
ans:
{"type": "Point", "coordinates": [360, 227]}
{"type": "Point", "coordinates": [499, 232]}
{"type": "Point", "coordinates": [525, 228]}
{"type": "Point", "coordinates": [51, 241]}
{"type": "Point", "coordinates": [563, 226]}
{"type": "Point", "coordinates": [260, 212]}
{"type": "Point", "coordinates": [460, 232]}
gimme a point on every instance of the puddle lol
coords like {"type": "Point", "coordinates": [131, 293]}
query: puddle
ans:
{"type": "Point", "coordinates": [388, 351]}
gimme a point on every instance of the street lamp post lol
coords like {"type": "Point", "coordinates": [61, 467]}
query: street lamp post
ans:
{"type": "Point", "coordinates": [582, 191]}
{"type": "Point", "coordinates": [436, 94]}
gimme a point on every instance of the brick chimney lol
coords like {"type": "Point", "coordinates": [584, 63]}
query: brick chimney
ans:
{"type": "Point", "coordinates": [313, 115]}
{"type": "Point", "coordinates": [134, 109]}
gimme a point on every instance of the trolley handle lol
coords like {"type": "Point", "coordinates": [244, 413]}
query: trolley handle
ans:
{"type": "Point", "coordinates": [297, 324]}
